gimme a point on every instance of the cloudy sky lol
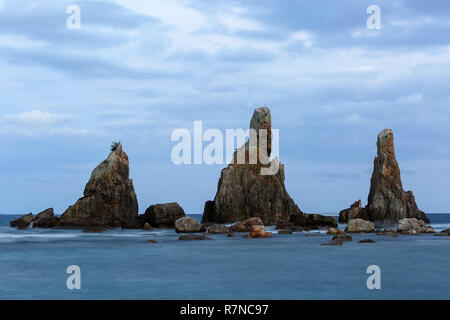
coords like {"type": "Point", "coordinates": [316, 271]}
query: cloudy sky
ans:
{"type": "Point", "coordinates": [137, 70]}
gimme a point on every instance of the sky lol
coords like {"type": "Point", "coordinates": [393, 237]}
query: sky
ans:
{"type": "Point", "coordinates": [137, 70]}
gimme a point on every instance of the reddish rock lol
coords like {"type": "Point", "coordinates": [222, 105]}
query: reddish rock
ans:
{"type": "Point", "coordinates": [259, 232]}
{"type": "Point", "coordinates": [354, 212]}
{"type": "Point", "coordinates": [247, 225]}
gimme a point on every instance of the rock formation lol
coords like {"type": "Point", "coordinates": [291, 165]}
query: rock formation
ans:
{"type": "Point", "coordinates": [162, 215]}
{"type": "Point", "coordinates": [243, 192]}
{"type": "Point", "coordinates": [45, 219]}
{"type": "Point", "coordinates": [387, 202]}
{"type": "Point", "coordinates": [247, 225]}
{"type": "Point", "coordinates": [354, 212]}
{"type": "Point", "coordinates": [22, 222]}
{"type": "Point", "coordinates": [109, 197]}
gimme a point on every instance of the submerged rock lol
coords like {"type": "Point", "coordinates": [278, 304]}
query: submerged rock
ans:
{"type": "Point", "coordinates": [109, 196]}
{"type": "Point", "coordinates": [193, 237]}
{"type": "Point", "coordinates": [188, 225]}
{"type": "Point", "coordinates": [343, 237]}
{"type": "Point", "coordinates": [360, 225]}
{"type": "Point", "coordinates": [45, 219]}
{"type": "Point", "coordinates": [163, 215]}
{"type": "Point", "coordinates": [367, 241]}
{"type": "Point", "coordinates": [244, 191]}
{"type": "Point", "coordinates": [388, 203]}
{"type": "Point", "coordinates": [22, 222]}
{"type": "Point", "coordinates": [334, 242]}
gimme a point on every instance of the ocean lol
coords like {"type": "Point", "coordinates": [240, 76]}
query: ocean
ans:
{"type": "Point", "coordinates": [120, 264]}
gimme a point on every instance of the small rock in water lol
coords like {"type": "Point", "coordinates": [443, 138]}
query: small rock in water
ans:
{"type": "Point", "coordinates": [343, 237]}
{"type": "Point", "coordinates": [259, 232]}
{"type": "Point", "coordinates": [152, 241]}
{"type": "Point", "coordinates": [313, 234]}
{"type": "Point", "coordinates": [334, 242]}
{"type": "Point", "coordinates": [93, 229]}
{"type": "Point", "coordinates": [147, 226]}
{"type": "Point", "coordinates": [367, 241]}
{"type": "Point", "coordinates": [247, 225]}
{"type": "Point", "coordinates": [188, 225]}
{"type": "Point", "coordinates": [230, 235]}
{"type": "Point", "coordinates": [193, 237]}
{"type": "Point", "coordinates": [334, 231]}
{"type": "Point", "coordinates": [285, 232]}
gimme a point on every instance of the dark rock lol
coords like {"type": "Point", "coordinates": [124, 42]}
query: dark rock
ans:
{"type": "Point", "coordinates": [46, 219]}
{"type": "Point", "coordinates": [313, 220]}
{"type": "Point", "coordinates": [343, 237]}
{"type": "Point", "coordinates": [152, 241]}
{"type": "Point", "coordinates": [388, 203]}
{"type": "Point", "coordinates": [93, 229]}
{"type": "Point", "coordinates": [354, 212]}
{"type": "Point", "coordinates": [313, 234]}
{"type": "Point", "coordinates": [109, 197]}
{"type": "Point", "coordinates": [22, 222]}
{"type": "Point", "coordinates": [284, 225]}
{"type": "Point", "coordinates": [285, 232]}
{"type": "Point", "coordinates": [244, 192]}
{"type": "Point", "coordinates": [247, 225]}
{"type": "Point", "coordinates": [193, 237]}
{"type": "Point", "coordinates": [218, 229]}
{"type": "Point", "coordinates": [367, 241]}
{"type": "Point", "coordinates": [188, 225]}
{"type": "Point", "coordinates": [133, 224]}
{"type": "Point", "coordinates": [163, 215]}
{"type": "Point", "coordinates": [230, 235]}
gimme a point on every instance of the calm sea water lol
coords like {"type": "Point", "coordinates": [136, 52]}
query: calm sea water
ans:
{"type": "Point", "coordinates": [120, 265]}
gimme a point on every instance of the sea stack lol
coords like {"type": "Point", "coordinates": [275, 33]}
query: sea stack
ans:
{"type": "Point", "coordinates": [244, 192]}
{"type": "Point", "coordinates": [109, 197]}
{"type": "Point", "coordinates": [388, 203]}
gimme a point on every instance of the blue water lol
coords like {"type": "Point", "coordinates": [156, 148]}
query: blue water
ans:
{"type": "Point", "coordinates": [121, 265]}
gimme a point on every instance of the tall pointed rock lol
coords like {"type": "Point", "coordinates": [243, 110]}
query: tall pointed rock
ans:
{"type": "Point", "coordinates": [388, 202]}
{"type": "Point", "coordinates": [243, 191]}
{"type": "Point", "coordinates": [109, 196]}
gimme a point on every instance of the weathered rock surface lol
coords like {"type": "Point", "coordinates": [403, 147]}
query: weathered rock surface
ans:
{"type": "Point", "coordinates": [406, 225]}
{"type": "Point", "coordinates": [45, 219]}
{"type": "Point", "coordinates": [247, 225]}
{"type": "Point", "coordinates": [188, 225]}
{"type": "Point", "coordinates": [163, 215]}
{"type": "Point", "coordinates": [334, 231]}
{"type": "Point", "coordinates": [388, 203]}
{"type": "Point", "coordinates": [313, 221]}
{"type": "Point", "coordinates": [360, 225]}
{"type": "Point", "coordinates": [22, 222]}
{"type": "Point", "coordinates": [354, 212]}
{"type": "Point", "coordinates": [244, 192]}
{"type": "Point", "coordinates": [218, 229]}
{"type": "Point", "coordinates": [109, 196]}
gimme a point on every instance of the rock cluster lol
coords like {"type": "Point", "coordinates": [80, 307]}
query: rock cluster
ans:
{"type": "Point", "coordinates": [413, 226]}
{"type": "Point", "coordinates": [243, 192]}
{"type": "Point", "coordinates": [109, 197]}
